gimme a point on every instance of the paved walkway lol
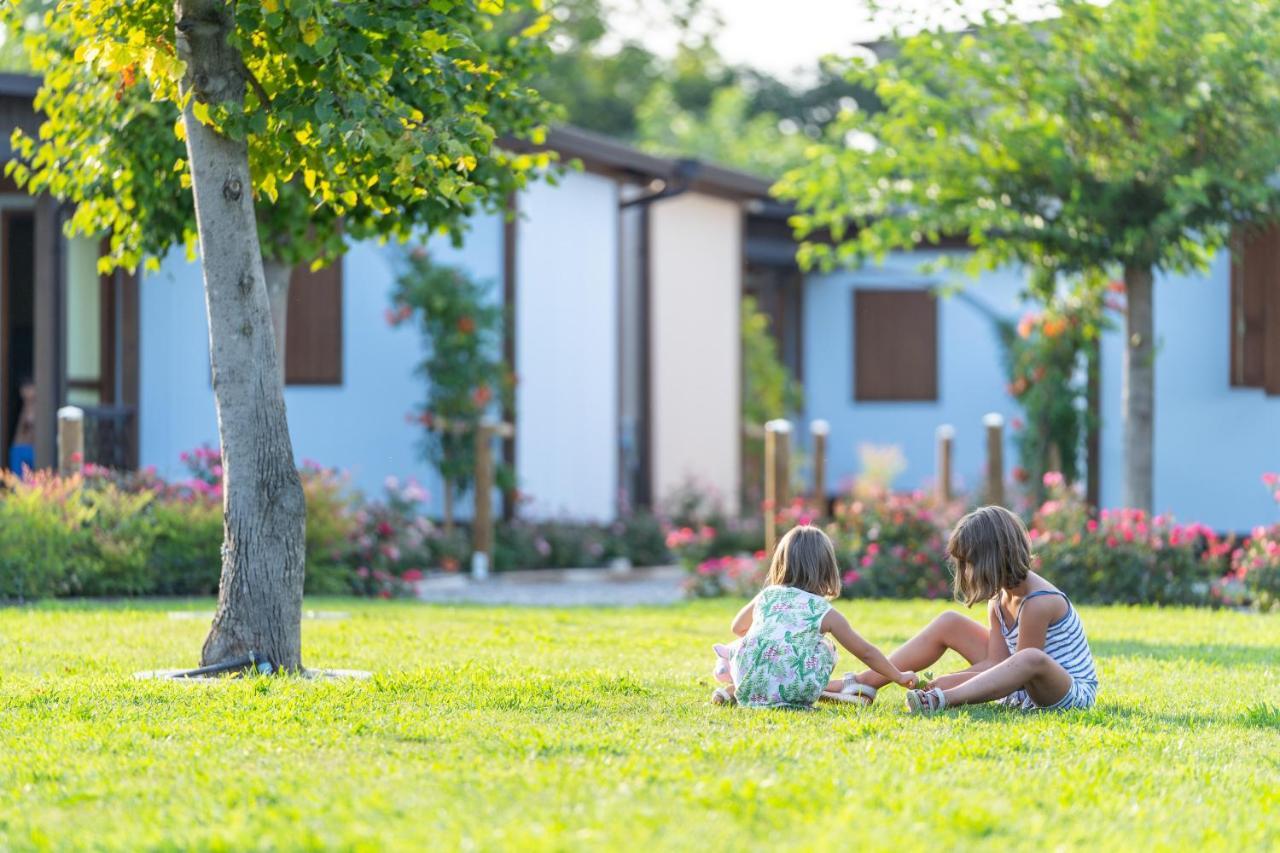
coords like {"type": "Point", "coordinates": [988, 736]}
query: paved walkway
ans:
{"type": "Point", "coordinates": [560, 588]}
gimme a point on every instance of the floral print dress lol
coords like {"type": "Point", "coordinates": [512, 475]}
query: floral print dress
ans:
{"type": "Point", "coordinates": [784, 661]}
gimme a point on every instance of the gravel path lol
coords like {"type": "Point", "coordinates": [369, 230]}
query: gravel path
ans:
{"type": "Point", "coordinates": [560, 588]}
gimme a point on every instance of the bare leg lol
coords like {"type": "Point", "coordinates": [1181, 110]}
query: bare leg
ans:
{"type": "Point", "coordinates": [949, 630]}
{"type": "Point", "coordinates": [1032, 670]}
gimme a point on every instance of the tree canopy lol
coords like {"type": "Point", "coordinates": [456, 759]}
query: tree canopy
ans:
{"type": "Point", "coordinates": [384, 116]}
{"type": "Point", "coordinates": [1132, 134]}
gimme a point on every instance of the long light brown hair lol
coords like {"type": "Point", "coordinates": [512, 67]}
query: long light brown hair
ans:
{"type": "Point", "coordinates": [806, 559]}
{"type": "Point", "coordinates": [990, 551]}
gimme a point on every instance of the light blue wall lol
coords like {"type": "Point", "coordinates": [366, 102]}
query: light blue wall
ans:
{"type": "Point", "coordinates": [970, 377]}
{"type": "Point", "coordinates": [359, 426]}
{"type": "Point", "coordinates": [1213, 442]}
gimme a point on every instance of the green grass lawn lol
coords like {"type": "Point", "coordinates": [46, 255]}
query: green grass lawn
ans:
{"type": "Point", "coordinates": [553, 729]}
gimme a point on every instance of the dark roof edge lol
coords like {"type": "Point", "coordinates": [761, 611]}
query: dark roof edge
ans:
{"type": "Point", "coordinates": [19, 85]}
{"type": "Point", "coordinates": [603, 152]}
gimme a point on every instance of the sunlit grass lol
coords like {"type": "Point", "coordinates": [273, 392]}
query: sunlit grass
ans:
{"type": "Point", "coordinates": [530, 728]}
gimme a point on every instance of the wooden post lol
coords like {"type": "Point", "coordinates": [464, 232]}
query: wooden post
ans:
{"type": "Point", "coordinates": [1055, 458]}
{"type": "Point", "coordinates": [70, 440]}
{"type": "Point", "coordinates": [994, 422]}
{"type": "Point", "coordinates": [448, 505]}
{"type": "Point", "coordinates": [946, 444]}
{"type": "Point", "coordinates": [820, 430]}
{"type": "Point", "coordinates": [482, 521]}
{"type": "Point", "coordinates": [770, 502]}
{"type": "Point", "coordinates": [783, 450]}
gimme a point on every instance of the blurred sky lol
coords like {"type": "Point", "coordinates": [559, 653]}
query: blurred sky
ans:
{"type": "Point", "coordinates": [785, 37]}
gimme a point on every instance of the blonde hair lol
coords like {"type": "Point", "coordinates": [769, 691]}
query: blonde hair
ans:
{"type": "Point", "coordinates": [990, 551]}
{"type": "Point", "coordinates": [806, 559]}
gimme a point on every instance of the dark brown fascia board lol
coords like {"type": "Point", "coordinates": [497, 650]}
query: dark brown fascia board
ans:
{"type": "Point", "coordinates": [601, 153]}
{"type": "Point", "coordinates": [19, 86]}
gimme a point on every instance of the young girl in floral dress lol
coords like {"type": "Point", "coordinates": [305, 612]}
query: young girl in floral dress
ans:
{"type": "Point", "coordinates": [785, 658]}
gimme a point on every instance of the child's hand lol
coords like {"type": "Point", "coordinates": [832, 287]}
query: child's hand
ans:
{"type": "Point", "coordinates": [908, 679]}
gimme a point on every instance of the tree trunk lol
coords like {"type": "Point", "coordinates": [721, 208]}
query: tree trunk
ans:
{"type": "Point", "coordinates": [260, 594]}
{"type": "Point", "coordinates": [1139, 389]}
{"type": "Point", "coordinates": [278, 275]}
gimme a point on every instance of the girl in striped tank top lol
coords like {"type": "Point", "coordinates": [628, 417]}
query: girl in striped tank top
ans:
{"type": "Point", "coordinates": [1033, 654]}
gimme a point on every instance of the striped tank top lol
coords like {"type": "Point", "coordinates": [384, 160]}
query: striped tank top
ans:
{"type": "Point", "coordinates": [1064, 641]}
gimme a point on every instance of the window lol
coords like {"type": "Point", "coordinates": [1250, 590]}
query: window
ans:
{"type": "Point", "coordinates": [1255, 310]}
{"type": "Point", "coordinates": [313, 332]}
{"type": "Point", "coordinates": [895, 345]}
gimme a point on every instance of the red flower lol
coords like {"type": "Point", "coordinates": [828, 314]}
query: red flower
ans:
{"type": "Point", "coordinates": [385, 529]}
{"type": "Point", "coordinates": [1020, 474]}
{"type": "Point", "coordinates": [412, 575]}
{"type": "Point", "coordinates": [1116, 286]}
{"type": "Point", "coordinates": [466, 325]}
{"type": "Point", "coordinates": [481, 396]}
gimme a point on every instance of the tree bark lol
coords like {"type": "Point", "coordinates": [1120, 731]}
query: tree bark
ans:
{"type": "Point", "coordinates": [260, 594]}
{"type": "Point", "coordinates": [1139, 389]}
{"type": "Point", "coordinates": [278, 275]}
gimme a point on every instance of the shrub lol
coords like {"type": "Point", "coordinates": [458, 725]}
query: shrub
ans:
{"type": "Point", "coordinates": [42, 535]}
{"type": "Point", "coordinates": [891, 545]}
{"type": "Point", "coordinates": [186, 554]}
{"type": "Point", "coordinates": [1124, 556]}
{"type": "Point", "coordinates": [641, 538]}
{"type": "Point", "coordinates": [1256, 565]}
{"type": "Point", "coordinates": [741, 576]}
{"type": "Point", "coordinates": [121, 533]}
{"type": "Point", "coordinates": [330, 525]}
{"type": "Point", "coordinates": [390, 540]}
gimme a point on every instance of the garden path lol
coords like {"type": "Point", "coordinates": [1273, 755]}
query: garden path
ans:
{"type": "Point", "coordinates": [560, 588]}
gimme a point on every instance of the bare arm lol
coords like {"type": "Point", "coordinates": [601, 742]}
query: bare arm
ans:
{"type": "Point", "coordinates": [838, 627]}
{"type": "Point", "coordinates": [742, 622]}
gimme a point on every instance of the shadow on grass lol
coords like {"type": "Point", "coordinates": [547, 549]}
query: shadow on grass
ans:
{"type": "Point", "coordinates": [1223, 654]}
{"type": "Point", "coordinates": [1111, 716]}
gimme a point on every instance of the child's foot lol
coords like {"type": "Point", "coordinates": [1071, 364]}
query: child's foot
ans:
{"type": "Point", "coordinates": [926, 701]}
{"type": "Point", "coordinates": [852, 690]}
{"type": "Point", "coordinates": [722, 696]}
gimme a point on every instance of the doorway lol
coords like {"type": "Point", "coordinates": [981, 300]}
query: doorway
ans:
{"type": "Point", "coordinates": [17, 318]}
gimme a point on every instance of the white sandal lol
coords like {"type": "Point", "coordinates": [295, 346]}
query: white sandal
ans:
{"type": "Point", "coordinates": [853, 691]}
{"type": "Point", "coordinates": [722, 696]}
{"type": "Point", "coordinates": [926, 701]}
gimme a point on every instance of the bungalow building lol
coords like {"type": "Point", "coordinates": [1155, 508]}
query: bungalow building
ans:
{"type": "Point", "coordinates": [623, 282]}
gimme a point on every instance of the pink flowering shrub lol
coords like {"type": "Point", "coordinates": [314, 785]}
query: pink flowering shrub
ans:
{"type": "Point", "coordinates": [1255, 566]}
{"type": "Point", "coordinates": [892, 545]}
{"type": "Point", "coordinates": [1124, 555]}
{"type": "Point", "coordinates": [391, 541]}
{"type": "Point", "coordinates": [67, 536]}
{"type": "Point", "coordinates": [739, 575]}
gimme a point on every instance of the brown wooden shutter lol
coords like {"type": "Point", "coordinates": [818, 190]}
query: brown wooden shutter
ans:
{"type": "Point", "coordinates": [1253, 262]}
{"type": "Point", "coordinates": [313, 335]}
{"type": "Point", "coordinates": [895, 335]}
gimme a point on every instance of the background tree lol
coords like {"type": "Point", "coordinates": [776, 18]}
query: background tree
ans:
{"type": "Point", "coordinates": [385, 113]}
{"type": "Point", "coordinates": [1133, 136]}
